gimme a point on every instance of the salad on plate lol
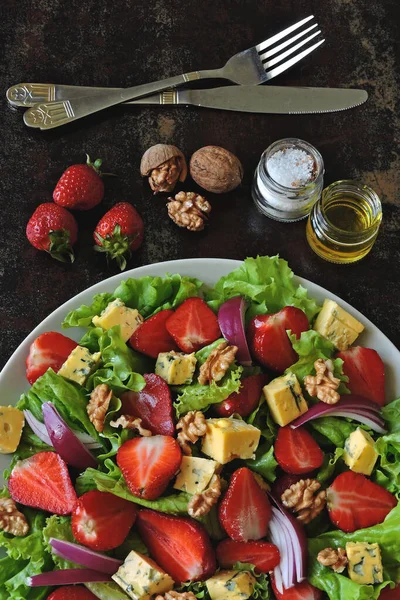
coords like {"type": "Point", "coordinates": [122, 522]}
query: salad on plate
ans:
{"type": "Point", "coordinates": [223, 443]}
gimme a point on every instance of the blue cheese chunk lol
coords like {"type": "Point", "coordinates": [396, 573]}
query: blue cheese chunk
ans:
{"type": "Point", "coordinates": [11, 425]}
{"type": "Point", "coordinates": [195, 474]}
{"type": "Point", "coordinates": [176, 368]}
{"type": "Point", "coordinates": [285, 399]}
{"type": "Point", "coordinates": [79, 365]}
{"type": "Point", "coordinates": [231, 585]}
{"type": "Point", "coordinates": [141, 578]}
{"type": "Point", "coordinates": [116, 313]}
{"type": "Point", "coordinates": [337, 325]}
{"type": "Point", "coordinates": [365, 563]}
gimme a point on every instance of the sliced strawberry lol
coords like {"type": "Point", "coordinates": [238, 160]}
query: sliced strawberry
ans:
{"type": "Point", "coordinates": [153, 404]}
{"type": "Point", "coordinates": [366, 372]}
{"type": "Point", "coordinates": [179, 545]}
{"type": "Point", "coordinates": [300, 591]}
{"type": "Point", "coordinates": [268, 339]}
{"type": "Point", "coordinates": [263, 555]}
{"type": "Point", "coordinates": [245, 510]}
{"type": "Point", "coordinates": [152, 336]}
{"type": "Point", "coordinates": [296, 451]}
{"type": "Point", "coordinates": [148, 464]}
{"type": "Point", "coordinates": [193, 325]}
{"type": "Point", "coordinates": [43, 481]}
{"type": "Point", "coordinates": [245, 400]}
{"type": "Point", "coordinates": [355, 502]}
{"type": "Point", "coordinates": [72, 592]}
{"type": "Point", "coordinates": [50, 349]}
{"type": "Point", "coordinates": [101, 520]}
{"type": "Point", "coordinates": [284, 482]}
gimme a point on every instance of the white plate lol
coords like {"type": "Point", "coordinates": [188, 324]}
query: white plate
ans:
{"type": "Point", "coordinates": [12, 379]}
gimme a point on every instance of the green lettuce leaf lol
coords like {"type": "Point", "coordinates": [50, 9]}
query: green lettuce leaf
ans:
{"type": "Point", "coordinates": [147, 294]}
{"type": "Point", "coordinates": [29, 556]}
{"type": "Point", "coordinates": [59, 528]}
{"type": "Point", "coordinates": [388, 448]}
{"type": "Point", "coordinates": [311, 346]}
{"type": "Point", "coordinates": [261, 418]}
{"type": "Point", "coordinates": [267, 283]}
{"type": "Point", "coordinates": [338, 586]}
{"type": "Point", "coordinates": [107, 591]}
{"type": "Point", "coordinates": [68, 398]}
{"type": "Point", "coordinates": [332, 463]}
{"type": "Point", "coordinates": [264, 463]}
{"type": "Point", "coordinates": [121, 366]}
{"type": "Point", "coordinates": [199, 397]}
{"type": "Point", "coordinates": [261, 589]}
{"type": "Point", "coordinates": [334, 429]}
{"type": "Point", "coordinates": [132, 542]}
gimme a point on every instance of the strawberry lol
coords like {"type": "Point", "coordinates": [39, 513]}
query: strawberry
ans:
{"type": "Point", "coordinates": [296, 451]}
{"type": "Point", "coordinates": [245, 510]}
{"type": "Point", "coordinates": [263, 555]}
{"type": "Point", "coordinates": [153, 404]}
{"type": "Point", "coordinates": [119, 232]}
{"type": "Point", "coordinates": [101, 520]}
{"type": "Point", "coordinates": [270, 344]}
{"type": "Point", "coordinates": [72, 592]}
{"type": "Point", "coordinates": [148, 464]}
{"type": "Point", "coordinates": [284, 482]}
{"type": "Point", "coordinates": [49, 350]}
{"type": "Point", "coordinates": [300, 591]}
{"type": "Point", "coordinates": [193, 325]}
{"type": "Point", "coordinates": [179, 545]}
{"type": "Point", "coordinates": [245, 400]}
{"type": "Point", "coordinates": [53, 229]}
{"type": "Point", "coordinates": [43, 481]}
{"type": "Point", "coordinates": [355, 502]}
{"type": "Point", "coordinates": [366, 372]}
{"type": "Point", "coordinates": [80, 187]}
{"type": "Point", "coordinates": [152, 336]}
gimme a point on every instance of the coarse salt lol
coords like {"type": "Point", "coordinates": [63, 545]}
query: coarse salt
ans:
{"type": "Point", "coordinates": [291, 167]}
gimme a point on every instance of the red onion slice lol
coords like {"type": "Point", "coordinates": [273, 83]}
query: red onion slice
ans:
{"type": "Point", "coordinates": [288, 535]}
{"type": "Point", "coordinates": [66, 577]}
{"type": "Point", "coordinates": [354, 407]}
{"type": "Point", "coordinates": [231, 322]}
{"type": "Point", "coordinates": [64, 440]}
{"type": "Point", "coordinates": [85, 557]}
{"type": "Point", "coordinates": [40, 430]}
{"type": "Point", "coordinates": [37, 427]}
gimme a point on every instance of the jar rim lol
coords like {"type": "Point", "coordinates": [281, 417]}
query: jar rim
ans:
{"type": "Point", "coordinates": [356, 188]}
{"type": "Point", "coordinates": [291, 143]}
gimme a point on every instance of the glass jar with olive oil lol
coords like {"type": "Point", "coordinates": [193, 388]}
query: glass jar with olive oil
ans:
{"type": "Point", "coordinates": [343, 224]}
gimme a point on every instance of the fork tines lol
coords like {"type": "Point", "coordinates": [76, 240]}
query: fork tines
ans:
{"type": "Point", "coordinates": [278, 50]}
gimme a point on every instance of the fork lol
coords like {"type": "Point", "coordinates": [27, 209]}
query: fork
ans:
{"type": "Point", "coordinates": [250, 67]}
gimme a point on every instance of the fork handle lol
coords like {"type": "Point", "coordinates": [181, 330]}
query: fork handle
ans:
{"type": "Point", "coordinates": [48, 115]}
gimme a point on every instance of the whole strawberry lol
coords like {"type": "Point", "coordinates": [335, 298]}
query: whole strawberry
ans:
{"type": "Point", "coordinates": [119, 232]}
{"type": "Point", "coordinates": [80, 187]}
{"type": "Point", "coordinates": [53, 229]}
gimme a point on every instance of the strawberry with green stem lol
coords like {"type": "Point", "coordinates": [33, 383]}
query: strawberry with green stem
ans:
{"type": "Point", "coordinates": [119, 232]}
{"type": "Point", "coordinates": [53, 229]}
{"type": "Point", "coordinates": [80, 187]}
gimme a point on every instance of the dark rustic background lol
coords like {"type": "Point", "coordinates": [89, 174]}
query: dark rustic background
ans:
{"type": "Point", "coordinates": [122, 43]}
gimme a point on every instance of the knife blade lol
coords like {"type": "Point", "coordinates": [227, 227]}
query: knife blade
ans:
{"type": "Point", "coordinates": [256, 99]}
{"type": "Point", "coordinates": [263, 99]}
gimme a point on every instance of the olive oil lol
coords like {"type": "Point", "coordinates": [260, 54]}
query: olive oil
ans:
{"type": "Point", "coordinates": [344, 223]}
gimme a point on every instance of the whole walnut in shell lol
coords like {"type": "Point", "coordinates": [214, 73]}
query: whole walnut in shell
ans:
{"type": "Point", "coordinates": [164, 165]}
{"type": "Point", "coordinates": [215, 169]}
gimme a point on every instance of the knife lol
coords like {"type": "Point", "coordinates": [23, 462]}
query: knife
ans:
{"type": "Point", "coordinates": [255, 99]}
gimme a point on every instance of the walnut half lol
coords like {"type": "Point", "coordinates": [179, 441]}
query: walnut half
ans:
{"type": "Point", "coordinates": [98, 405]}
{"type": "Point", "coordinates": [217, 363]}
{"type": "Point", "coordinates": [324, 385]}
{"type": "Point", "coordinates": [201, 504]}
{"type": "Point", "coordinates": [164, 165]}
{"type": "Point", "coordinates": [191, 427]}
{"type": "Point", "coordinates": [11, 519]}
{"type": "Point", "coordinates": [189, 210]}
{"type": "Point", "coordinates": [173, 595]}
{"type": "Point", "coordinates": [129, 422]}
{"type": "Point", "coordinates": [304, 499]}
{"type": "Point", "coordinates": [335, 559]}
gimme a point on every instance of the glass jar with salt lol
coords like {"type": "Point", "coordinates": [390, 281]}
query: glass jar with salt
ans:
{"type": "Point", "coordinates": [288, 180]}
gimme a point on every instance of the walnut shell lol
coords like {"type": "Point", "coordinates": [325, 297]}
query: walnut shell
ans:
{"type": "Point", "coordinates": [159, 154]}
{"type": "Point", "coordinates": [215, 169]}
